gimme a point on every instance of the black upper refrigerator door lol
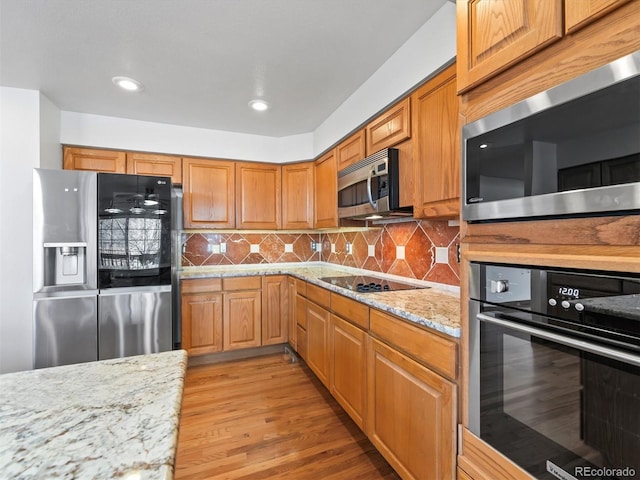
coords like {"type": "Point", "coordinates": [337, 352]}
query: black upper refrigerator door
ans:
{"type": "Point", "coordinates": [134, 230]}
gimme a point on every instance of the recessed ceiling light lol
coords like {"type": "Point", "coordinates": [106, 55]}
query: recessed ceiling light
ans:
{"type": "Point", "coordinates": [259, 105]}
{"type": "Point", "coordinates": [127, 83]}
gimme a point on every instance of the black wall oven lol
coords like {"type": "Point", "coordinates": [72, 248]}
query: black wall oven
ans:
{"type": "Point", "coordinates": [573, 150]}
{"type": "Point", "coordinates": [554, 369]}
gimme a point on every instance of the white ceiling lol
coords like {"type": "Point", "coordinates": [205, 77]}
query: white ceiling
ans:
{"type": "Point", "coordinates": [202, 61]}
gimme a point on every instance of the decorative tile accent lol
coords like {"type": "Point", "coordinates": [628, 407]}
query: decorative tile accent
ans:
{"type": "Point", "coordinates": [254, 248]}
{"type": "Point", "coordinates": [288, 248]}
{"type": "Point", "coordinates": [442, 255]}
{"type": "Point", "coordinates": [400, 252]}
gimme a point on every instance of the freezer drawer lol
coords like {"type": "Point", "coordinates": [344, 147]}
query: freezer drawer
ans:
{"type": "Point", "coordinates": [134, 322]}
{"type": "Point", "coordinates": [65, 330]}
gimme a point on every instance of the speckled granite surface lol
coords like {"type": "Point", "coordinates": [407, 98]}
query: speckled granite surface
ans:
{"type": "Point", "coordinates": [437, 307]}
{"type": "Point", "coordinates": [108, 419]}
{"type": "Point", "coordinates": [625, 306]}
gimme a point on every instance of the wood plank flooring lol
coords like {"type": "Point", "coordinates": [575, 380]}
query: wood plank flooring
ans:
{"type": "Point", "coordinates": [264, 418]}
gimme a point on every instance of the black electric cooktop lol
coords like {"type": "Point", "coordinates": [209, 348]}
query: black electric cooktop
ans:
{"type": "Point", "coordinates": [369, 284]}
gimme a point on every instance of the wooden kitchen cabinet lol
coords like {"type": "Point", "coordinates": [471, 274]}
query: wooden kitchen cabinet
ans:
{"type": "Point", "coordinates": [155, 165]}
{"type": "Point", "coordinates": [318, 341]}
{"type": "Point", "coordinates": [491, 35]}
{"type": "Point", "coordinates": [201, 302]}
{"type": "Point", "coordinates": [95, 160]}
{"type": "Point", "coordinates": [208, 193]}
{"type": "Point", "coordinates": [275, 309]}
{"type": "Point", "coordinates": [242, 312]}
{"type": "Point", "coordinates": [436, 143]}
{"type": "Point", "coordinates": [291, 305]}
{"type": "Point", "coordinates": [297, 195]}
{"type": "Point", "coordinates": [578, 13]}
{"type": "Point", "coordinates": [390, 128]}
{"type": "Point", "coordinates": [348, 367]}
{"type": "Point", "coordinates": [351, 150]}
{"type": "Point", "coordinates": [326, 191]}
{"type": "Point", "coordinates": [258, 195]}
{"type": "Point", "coordinates": [411, 418]}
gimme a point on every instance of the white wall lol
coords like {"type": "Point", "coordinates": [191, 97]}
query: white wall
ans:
{"type": "Point", "coordinates": [50, 149]}
{"type": "Point", "coordinates": [416, 60]}
{"type": "Point", "coordinates": [19, 154]}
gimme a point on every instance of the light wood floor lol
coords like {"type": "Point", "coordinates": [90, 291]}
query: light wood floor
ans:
{"type": "Point", "coordinates": [266, 417]}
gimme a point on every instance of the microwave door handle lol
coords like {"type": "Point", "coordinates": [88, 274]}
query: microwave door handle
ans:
{"type": "Point", "coordinates": [611, 353]}
{"type": "Point", "coordinates": [369, 194]}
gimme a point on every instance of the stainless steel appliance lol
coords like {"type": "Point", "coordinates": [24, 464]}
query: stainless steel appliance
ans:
{"type": "Point", "coordinates": [369, 284]}
{"type": "Point", "coordinates": [554, 369]}
{"type": "Point", "coordinates": [571, 150]}
{"type": "Point", "coordinates": [176, 263]}
{"type": "Point", "coordinates": [370, 188]}
{"type": "Point", "coordinates": [65, 289]}
{"type": "Point", "coordinates": [134, 265]}
{"type": "Point", "coordinates": [102, 266]}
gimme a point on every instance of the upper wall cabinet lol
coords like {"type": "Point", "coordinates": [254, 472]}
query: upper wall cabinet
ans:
{"type": "Point", "coordinates": [578, 13]}
{"type": "Point", "coordinates": [390, 128]}
{"type": "Point", "coordinates": [351, 150]}
{"type": "Point", "coordinates": [326, 191]}
{"type": "Point", "coordinates": [436, 143]}
{"type": "Point", "coordinates": [156, 165]}
{"type": "Point", "coordinates": [209, 193]}
{"type": "Point", "coordinates": [297, 195]}
{"type": "Point", "coordinates": [109, 161]}
{"type": "Point", "coordinates": [259, 193]}
{"type": "Point", "coordinates": [492, 35]}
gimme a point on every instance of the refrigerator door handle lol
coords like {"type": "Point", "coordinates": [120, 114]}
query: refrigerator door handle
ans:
{"type": "Point", "coordinates": [65, 294]}
{"type": "Point", "coordinates": [142, 289]}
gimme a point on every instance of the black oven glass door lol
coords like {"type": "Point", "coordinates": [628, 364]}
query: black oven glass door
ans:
{"type": "Point", "coordinates": [134, 230]}
{"type": "Point", "coordinates": [556, 409]}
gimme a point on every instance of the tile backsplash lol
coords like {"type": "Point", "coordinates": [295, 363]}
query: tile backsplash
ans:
{"type": "Point", "coordinates": [425, 250]}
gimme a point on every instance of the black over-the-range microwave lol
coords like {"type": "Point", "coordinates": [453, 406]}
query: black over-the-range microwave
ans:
{"type": "Point", "coordinates": [573, 150]}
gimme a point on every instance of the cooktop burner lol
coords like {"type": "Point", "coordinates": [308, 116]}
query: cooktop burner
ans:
{"type": "Point", "coordinates": [369, 284]}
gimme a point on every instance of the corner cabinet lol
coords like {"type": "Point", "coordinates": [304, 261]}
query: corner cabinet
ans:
{"type": "Point", "coordinates": [491, 36]}
{"type": "Point", "coordinates": [297, 195]}
{"type": "Point", "coordinates": [95, 160]}
{"type": "Point", "coordinates": [258, 201]}
{"type": "Point", "coordinates": [326, 191]}
{"type": "Point", "coordinates": [436, 144]}
{"type": "Point", "coordinates": [209, 193]}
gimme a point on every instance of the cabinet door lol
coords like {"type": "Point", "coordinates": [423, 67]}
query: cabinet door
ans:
{"type": "Point", "coordinates": [493, 35]}
{"type": "Point", "coordinates": [348, 360]}
{"type": "Point", "coordinates": [411, 418]}
{"type": "Point", "coordinates": [326, 191]}
{"type": "Point", "coordinates": [241, 320]}
{"type": "Point", "coordinates": [436, 147]}
{"type": "Point", "coordinates": [275, 309]}
{"type": "Point", "coordinates": [155, 165]}
{"type": "Point", "coordinates": [390, 128]}
{"type": "Point", "coordinates": [202, 323]}
{"type": "Point", "coordinates": [297, 195]}
{"type": "Point", "coordinates": [259, 197]}
{"type": "Point", "coordinates": [209, 193]}
{"type": "Point", "coordinates": [351, 150]}
{"type": "Point", "coordinates": [578, 13]}
{"type": "Point", "coordinates": [291, 287]}
{"type": "Point", "coordinates": [109, 161]}
{"type": "Point", "coordinates": [318, 341]}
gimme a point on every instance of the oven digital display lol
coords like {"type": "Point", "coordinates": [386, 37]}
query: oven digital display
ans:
{"type": "Point", "coordinates": [568, 292]}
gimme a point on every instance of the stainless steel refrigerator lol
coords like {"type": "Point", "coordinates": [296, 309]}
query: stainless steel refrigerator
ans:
{"type": "Point", "coordinates": [102, 266]}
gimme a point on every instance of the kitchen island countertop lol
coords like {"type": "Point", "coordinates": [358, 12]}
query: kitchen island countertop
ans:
{"type": "Point", "coordinates": [107, 419]}
{"type": "Point", "coordinates": [437, 307]}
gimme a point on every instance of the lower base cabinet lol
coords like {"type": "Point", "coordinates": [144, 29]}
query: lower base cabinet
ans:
{"type": "Point", "coordinates": [242, 320]}
{"type": "Point", "coordinates": [410, 415]}
{"type": "Point", "coordinates": [318, 341]}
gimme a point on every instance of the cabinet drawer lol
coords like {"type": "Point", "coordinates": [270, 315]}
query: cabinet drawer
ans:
{"type": "Point", "coordinates": [319, 295]}
{"type": "Point", "coordinates": [201, 285]}
{"type": "Point", "coordinates": [432, 350]}
{"type": "Point", "coordinates": [301, 287]}
{"type": "Point", "coordinates": [350, 310]}
{"type": "Point", "coordinates": [242, 283]}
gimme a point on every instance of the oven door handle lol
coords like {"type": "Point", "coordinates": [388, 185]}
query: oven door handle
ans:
{"type": "Point", "coordinates": [608, 352]}
{"type": "Point", "coordinates": [369, 194]}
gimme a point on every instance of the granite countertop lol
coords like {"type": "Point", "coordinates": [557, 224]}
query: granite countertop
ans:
{"type": "Point", "coordinates": [437, 307]}
{"type": "Point", "coordinates": [624, 306]}
{"type": "Point", "coordinates": [107, 419]}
